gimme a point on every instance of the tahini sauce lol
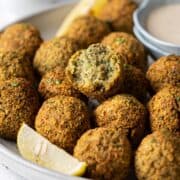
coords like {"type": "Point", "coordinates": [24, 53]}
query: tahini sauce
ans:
{"type": "Point", "coordinates": [164, 23]}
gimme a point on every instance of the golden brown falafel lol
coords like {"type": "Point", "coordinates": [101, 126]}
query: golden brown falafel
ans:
{"type": "Point", "coordinates": [55, 83]}
{"type": "Point", "coordinates": [62, 120]}
{"type": "Point", "coordinates": [107, 153]}
{"type": "Point", "coordinates": [14, 65]}
{"type": "Point", "coordinates": [18, 103]}
{"type": "Point", "coordinates": [127, 45]}
{"type": "Point", "coordinates": [123, 112]}
{"type": "Point", "coordinates": [135, 82]}
{"type": "Point", "coordinates": [87, 30]}
{"type": "Point", "coordinates": [53, 53]}
{"type": "Point", "coordinates": [22, 37]}
{"type": "Point", "coordinates": [164, 71]}
{"type": "Point", "coordinates": [158, 157]}
{"type": "Point", "coordinates": [164, 109]}
{"type": "Point", "coordinates": [119, 13]}
{"type": "Point", "coordinates": [96, 71]}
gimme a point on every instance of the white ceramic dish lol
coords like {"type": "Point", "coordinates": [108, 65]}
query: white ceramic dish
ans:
{"type": "Point", "coordinates": [140, 17]}
{"type": "Point", "coordinates": [156, 52]}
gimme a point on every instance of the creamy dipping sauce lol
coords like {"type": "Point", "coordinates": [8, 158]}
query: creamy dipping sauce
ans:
{"type": "Point", "coordinates": [164, 23]}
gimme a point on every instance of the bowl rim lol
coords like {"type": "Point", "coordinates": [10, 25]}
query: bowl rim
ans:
{"type": "Point", "coordinates": [138, 25]}
{"type": "Point", "coordinates": [150, 46]}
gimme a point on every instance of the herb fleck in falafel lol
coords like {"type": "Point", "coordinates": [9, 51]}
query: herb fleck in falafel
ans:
{"type": "Point", "coordinates": [22, 37]}
{"type": "Point", "coordinates": [62, 120]}
{"type": "Point", "coordinates": [55, 83]}
{"type": "Point", "coordinates": [53, 53]}
{"type": "Point", "coordinates": [87, 30]}
{"type": "Point", "coordinates": [128, 46]}
{"type": "Point", "coordinates": [18, 103]}
{"type": "Point", "coordinates": [158, 157]}
{"type": "Point", "coordinates": [164, 71]}
{"type": "Point", "coordinates": [119, 13]}
{"type": "Point", "coordinates": [96, 71]}
{"type": "Point", "coordinates": [164, 109]}
{"type": "Point", "coordinates": [107, 153]}
{"type": "Point", "coordinates": [123, 112]}
{"type": "Point", "coordinates": [14, 65]}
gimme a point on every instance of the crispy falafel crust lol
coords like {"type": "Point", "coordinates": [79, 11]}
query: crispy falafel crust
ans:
{"type": "Point", "coordinates": [53, 53]}
{"type": "Point", "coordinates": [135, 82]}
{"type": "Point", "coordinates": [158, 157]}
{"type": "Point", "coordinates": [22, 37]}
{"type": "Point", "coordinates": [18, 103]}
{"type": "Point", "coordinates": [55, 83]}
{"type": "Point", "coordinates": [128, 46]}
{"type": "Point", "coordinates": [62, 120]}
{"type": "Point", "coordinates": [87, 30]}
{"type": "Point", "coordinates": [123, 112]}
{"type": "Point", "coordinates": [107, 153]}
{"type": "Point", "coordinates": [119, 13]}
{"type": "Point", "coordinates": [97, 71]}
{"type": "Point", "coordinates": [165, 71]}
{"type": "Point", "coordinates": [164, 109]}
{"type": "Point", "coordinates": [15, 65]}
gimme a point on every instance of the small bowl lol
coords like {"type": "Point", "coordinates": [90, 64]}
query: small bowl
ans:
{"type": "Point", "coordinates": [140, 17]}
{"type": "Point", "coordinates": [155, 52]}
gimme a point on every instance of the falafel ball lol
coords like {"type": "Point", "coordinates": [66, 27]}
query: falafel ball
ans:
{"type": "Point", "coordinates": [107, 153]}
{"type": "Point", "coordinates": [135, 82]}
{"type": "Point", "coordinates": [123, 112]}
{"type": "Point", "coordinates": [22, 37]}
{"type": "Point", "coordinates": [14, 65]}
{"type": "Point", "coordinates": [96, 71]}
{"type": "Point", "coordinates": [62, 120]}
{"type": "Point", "coordinates": [129, 46]}
{"type": "Point", "coordinates": [164, 71]}
{"type": "Point", "coordinates": [87, 30]}
{"type": "Point", "coordinates": [164, 109]}
{"type": "Point", "coordinates": [119, 13]}
{"type": "Point", "coordinates": [53, 53]}
{"type": "Point", "coordinates": [18, 103]}
{"type": "Point", "coordinates": [158, 156]}
{"type": "Point", "coordinates": [55, 83]}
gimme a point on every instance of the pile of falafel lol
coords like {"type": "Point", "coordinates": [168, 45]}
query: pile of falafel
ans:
{"type": "Point", "coordinates": [132, 130]}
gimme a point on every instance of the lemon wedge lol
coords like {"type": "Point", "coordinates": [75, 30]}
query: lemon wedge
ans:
{"type": "Point", "coordinates": [33, 147]}
{"type": "Point", "coordinates": [97, 7]}
{"type": "Point", "coordinates": [84, 7]}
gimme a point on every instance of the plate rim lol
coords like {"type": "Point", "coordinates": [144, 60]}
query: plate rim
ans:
{"type": "Point", "coordinates": [20, 160]}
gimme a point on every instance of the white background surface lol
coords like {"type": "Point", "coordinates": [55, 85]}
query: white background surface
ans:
{"type": "Point", "coordinates": [10, 10]}
{"type": "Point", "coordinates": [6, 174]}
